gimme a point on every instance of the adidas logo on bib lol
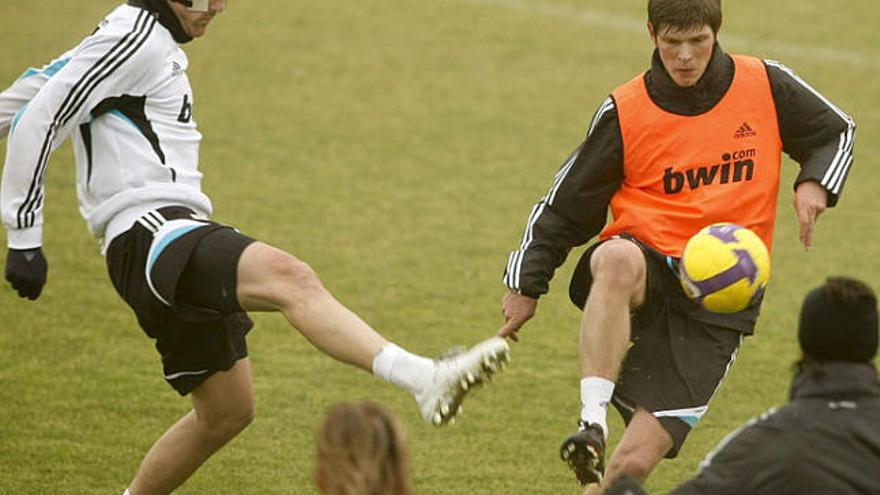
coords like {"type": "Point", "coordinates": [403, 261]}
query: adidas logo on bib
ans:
{"type": "Point", "coordinates": [744, 131]}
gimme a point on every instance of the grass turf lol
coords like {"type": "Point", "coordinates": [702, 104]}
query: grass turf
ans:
{"type": "Point", "coordinates": [397, 146]}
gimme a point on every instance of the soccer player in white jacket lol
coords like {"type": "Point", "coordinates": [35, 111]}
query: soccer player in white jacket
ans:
{"type": "Point", "coordinates": [124, 97]}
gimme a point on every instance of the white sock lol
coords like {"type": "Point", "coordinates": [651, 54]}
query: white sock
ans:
{"type": "Point", "coordinates": [596, 394]}
{"type": "Point", "coordinates": [126, 492]}
{"type": "Point", "coordinates": [403, 368]}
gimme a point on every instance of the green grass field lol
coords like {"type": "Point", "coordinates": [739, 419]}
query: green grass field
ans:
{"type": "Point", "coordinates": [397, 145]}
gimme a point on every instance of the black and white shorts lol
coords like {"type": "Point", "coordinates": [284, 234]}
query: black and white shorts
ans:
{"type": "Point", "coordinates": [178, 273]}
{"type": "Point", "coordinates": [679, 353]}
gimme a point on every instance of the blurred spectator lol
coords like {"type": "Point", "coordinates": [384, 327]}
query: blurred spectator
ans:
{"type": "Point", "coordinates": [361, 450]}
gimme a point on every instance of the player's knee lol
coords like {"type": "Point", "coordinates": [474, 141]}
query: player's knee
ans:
{"type": "Point", "coordinates": [228, 422]}
{"type": "Point", "coordinates": [296, 278]}
{"type": "Point", "coordinates": [241, 420]}
{"type": "Point", "coordinates": [618, 264]}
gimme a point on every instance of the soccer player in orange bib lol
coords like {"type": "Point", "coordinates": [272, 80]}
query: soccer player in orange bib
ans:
{"type": "Point", "coordinates": [694, 140]}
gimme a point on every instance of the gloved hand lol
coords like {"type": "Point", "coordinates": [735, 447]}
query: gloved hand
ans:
{"type": "Point", "coordinates": [26, 271]}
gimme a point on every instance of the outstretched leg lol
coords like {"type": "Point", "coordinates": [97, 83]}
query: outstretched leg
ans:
{"type": "Point", "coordinates": [270, 279]}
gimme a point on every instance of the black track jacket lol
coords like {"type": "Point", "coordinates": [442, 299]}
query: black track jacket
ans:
{"type": "Point", "coordinates": [815, 133]}
{"type": "Point", "coordinates": [826, 441]}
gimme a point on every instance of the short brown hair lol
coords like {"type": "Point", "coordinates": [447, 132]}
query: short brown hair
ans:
{"type": "Point", "coordinates": [362, 451]}
{"type": "Point", "coordinates": [684, 15]}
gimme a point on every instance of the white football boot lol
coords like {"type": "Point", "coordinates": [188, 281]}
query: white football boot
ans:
{"type": "Point", "coordinates": [455, 373]}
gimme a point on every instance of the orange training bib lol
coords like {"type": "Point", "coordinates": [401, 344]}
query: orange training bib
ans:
{"type": "Point", "coordinates": [682, 173]}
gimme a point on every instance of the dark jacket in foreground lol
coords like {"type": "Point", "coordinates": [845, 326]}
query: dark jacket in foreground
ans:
{"type": "Point", "coordinates": [826, 441]}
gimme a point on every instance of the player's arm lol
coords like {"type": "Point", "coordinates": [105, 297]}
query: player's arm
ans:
{"type": "Point", "coordinates": [103, 66]}
{"type": "Point", "coordinates": [816, 134]}
{"type": "Point", "coordinates": [25, 268]}
{"type": "Point", "coordinates": [573, 211]}
{"type": "Point", "coordinates": [15, 98]}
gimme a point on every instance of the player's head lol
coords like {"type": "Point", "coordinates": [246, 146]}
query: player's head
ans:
{"type": "Point", "coordinates": [684, 32]}
{"type": "Point", "coordinates": [361, 449]}
{"type": "Point", "coordinates": [195, 15]}
{"type": "Point", "coordinates": [838, 322]}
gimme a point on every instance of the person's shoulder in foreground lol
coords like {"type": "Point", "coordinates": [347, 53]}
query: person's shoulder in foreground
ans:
{"type": "Point", "coordinates": [826, 439]}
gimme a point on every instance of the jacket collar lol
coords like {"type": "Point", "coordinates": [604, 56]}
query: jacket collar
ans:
{"type": "Point", "coordinates": [696, 99]}
{"type": "Point", "coordinates": [166, 17]}
{"type": "Point", "coordinates": [836, 379]}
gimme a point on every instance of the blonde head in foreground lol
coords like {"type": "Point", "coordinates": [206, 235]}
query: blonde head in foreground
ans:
{"type": "Point", "coordinates": [361, 450]}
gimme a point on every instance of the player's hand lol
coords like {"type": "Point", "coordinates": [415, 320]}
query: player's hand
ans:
{"type": "Point", "coordinates": [26, 271]}
{"type": "Point", "coordinates": [517, 310]}
{"type": "Point", "coordinates": [810, 200]}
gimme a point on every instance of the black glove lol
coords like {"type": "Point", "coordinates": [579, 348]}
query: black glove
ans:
{"type": "Point", "coordinates": [26, 271]}
{"type": "Point", "coordinates": [625, 485]}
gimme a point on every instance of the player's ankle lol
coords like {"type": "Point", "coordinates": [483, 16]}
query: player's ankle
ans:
{"type": "Point", "coordinates": [596, 393]}
{"type": "Point", "coordinates": [403, 368]}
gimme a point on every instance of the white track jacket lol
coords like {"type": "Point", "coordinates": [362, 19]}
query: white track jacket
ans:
{"type": "Point", "coordinates": [124, 97]}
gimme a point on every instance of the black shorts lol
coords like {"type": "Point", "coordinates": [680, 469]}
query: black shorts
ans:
{"type": "Point", "coordinates": [178, 273]}
{"type": "Point", "coordinates": [679, 352]}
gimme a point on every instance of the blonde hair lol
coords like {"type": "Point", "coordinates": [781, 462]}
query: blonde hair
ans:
{"type": "Point", "coordinates": [361, 450]}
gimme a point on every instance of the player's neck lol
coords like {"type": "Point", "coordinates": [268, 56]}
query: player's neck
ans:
{"type": "Point", "coordinates": [166, 17]}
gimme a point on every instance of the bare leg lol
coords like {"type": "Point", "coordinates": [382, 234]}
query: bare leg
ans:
{"type": "Point", "coordinates": [270, 279]}
{"type": "Point", "coordinates": [642, 447]}
{"type": "Point", "coordinates": [618, 269]}
{"type": "Point", "coordinates": [222, 407]}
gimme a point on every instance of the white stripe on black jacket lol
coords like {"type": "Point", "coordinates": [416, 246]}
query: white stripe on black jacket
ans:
{"type": "Point", "coordinates": [815, 133]}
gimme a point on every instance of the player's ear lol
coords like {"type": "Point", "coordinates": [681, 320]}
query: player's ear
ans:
{"type": "Point", "coordinates": [652, 33]}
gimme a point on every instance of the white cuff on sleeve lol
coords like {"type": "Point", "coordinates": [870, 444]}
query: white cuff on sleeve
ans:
{"type": "Point", "coordinates": [29, 238]}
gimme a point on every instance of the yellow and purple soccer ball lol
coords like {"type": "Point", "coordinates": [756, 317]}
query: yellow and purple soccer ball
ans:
{"type": "Point", "coordinates": [725, 267]}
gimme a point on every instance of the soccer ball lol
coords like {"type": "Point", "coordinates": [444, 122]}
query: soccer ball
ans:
{"type": "Point", "coordinates": [725, 267]}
